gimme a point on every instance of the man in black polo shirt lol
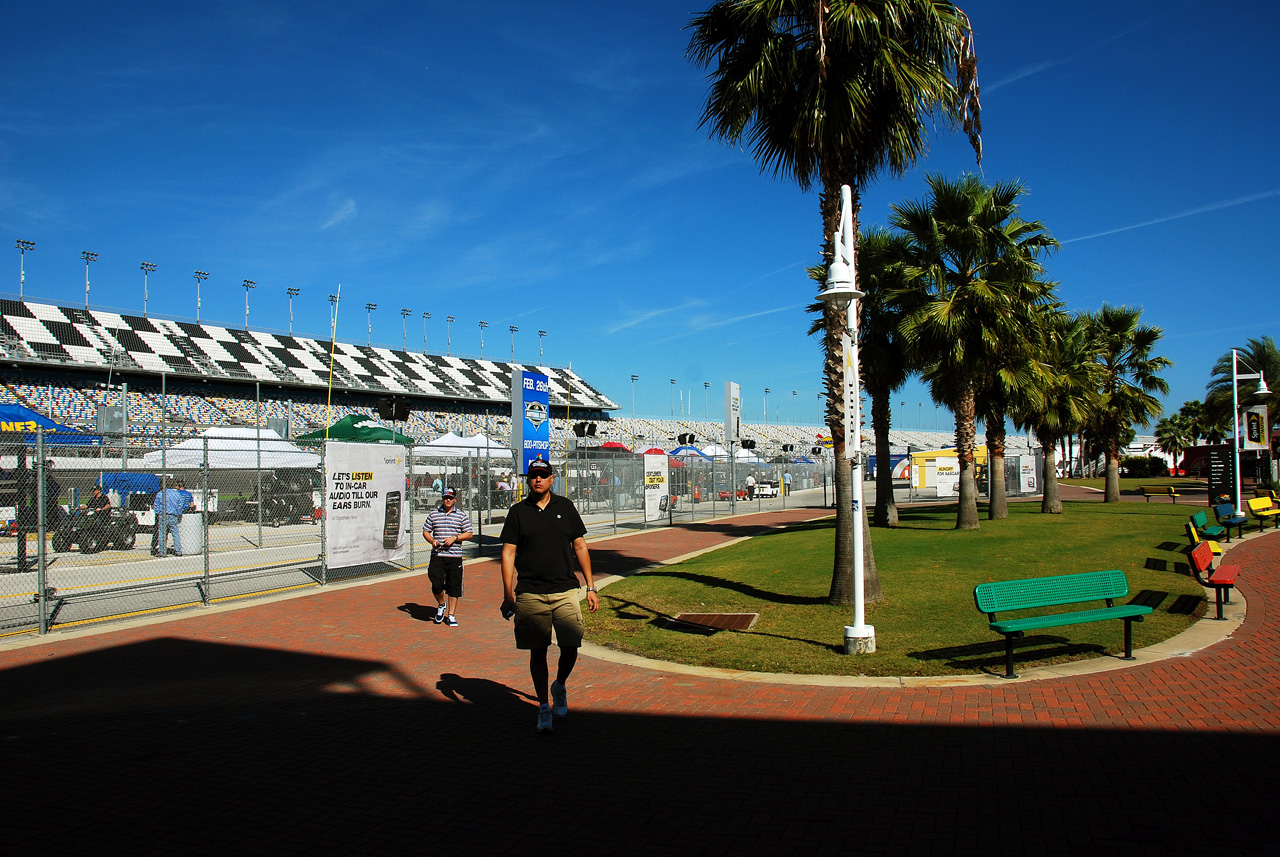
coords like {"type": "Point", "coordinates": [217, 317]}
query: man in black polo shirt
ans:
{"type": "Point", "coordinates": [539, 537]}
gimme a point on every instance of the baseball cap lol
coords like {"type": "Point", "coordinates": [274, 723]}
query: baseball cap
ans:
{"type": "Point", "coordinates": [450, 493]}
{"type": "Point", "coordinates": [540, 467]}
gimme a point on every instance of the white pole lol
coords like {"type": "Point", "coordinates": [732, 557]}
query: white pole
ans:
{"type": "Point", "coordinates": [1235, 422]}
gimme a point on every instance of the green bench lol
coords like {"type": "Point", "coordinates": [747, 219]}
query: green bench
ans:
{"type": "Point", "coordinates": [1058, 591]}
{"type": "Point", "coordinates": [1207, 531]}
{"type": "Point", "coordinates": [1149, 491]}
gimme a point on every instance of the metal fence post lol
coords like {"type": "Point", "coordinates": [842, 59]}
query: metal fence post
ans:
{"type": "Point", "coordinates": [409, 490]}
{"type": "Point", "coordinates": [41, 592]}
{"type": "Point", "coordinates": [204, 517]}
{"type": "Point", "coordinates": [324, 513]}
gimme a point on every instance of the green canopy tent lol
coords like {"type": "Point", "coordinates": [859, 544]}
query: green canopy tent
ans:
{"type": "Point", "coordinates": [359, 429]}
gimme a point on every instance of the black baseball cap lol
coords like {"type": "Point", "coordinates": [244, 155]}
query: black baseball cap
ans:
{"type": "Point", "coordinates": [540, 467]}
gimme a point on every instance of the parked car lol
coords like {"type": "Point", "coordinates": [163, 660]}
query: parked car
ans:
{"type": "Point", "coordinates": [722, 492]}
{"type": "Point", "coordinates": [767, 489]}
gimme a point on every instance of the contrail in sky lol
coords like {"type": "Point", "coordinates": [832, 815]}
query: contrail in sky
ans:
{"type": "Point", "coordinates": [1228, 203]}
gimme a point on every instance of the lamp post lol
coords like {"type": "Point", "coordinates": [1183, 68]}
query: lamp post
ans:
{"type": "Point", "coordinates": [448, 343]}
{"type": "Point", "coordinates": [706, 393]}
{"type": "Point", "coordinates": [88, 257]}
{"type": "Point", "coordinates": [673, 397]}
{"type": "Point", "coordinates": [793, 407]}
{"type": "Point", "coordinates": [200, 276]}
{"type": "Point", "coordinates": [22, 247]}
{"type": "Point", "coordinates": [541, 333]}
{"type": "Point", "coordinates": [147, 268]}
{"type": "Point", "coordinates": [1236, 440]}
{"type": "Point", "coordinates": [248, 284]}
{"type": "Point", "coordinates": [333, 315]}
{"type": "Point", "coordinates": [634, 378]}
{"type": "Point", "coordinates": [404, 328]}
{"type": "Point", "coordinates": [767, 391]}
{"type": "Point", "coordinates": [292, 293]}
{"type": "Point", "coordinates": [483, 325]}
{"type": "Point", "coordinates": [425, 316]}
{"type": "Point", "coordinates": [514, 330]}
{"type": "Point", "coordinates": [368, 318]}
{"type": "Point", "coordinates": [841, 291]}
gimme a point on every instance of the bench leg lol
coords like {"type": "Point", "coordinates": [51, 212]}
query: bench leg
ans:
{"type": "Point", "coordinates": [1128, 641]}
{"type": "Point", "coordinates": [1218, 590]}
{"type": "Point", "coordinates": [1008, 656]}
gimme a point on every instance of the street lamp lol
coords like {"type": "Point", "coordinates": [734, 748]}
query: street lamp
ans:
{"type": "Point", "coordinates": [368, 317]}
{"type": "Point", "coordinates": [767, 391]}
{"type": "Point", "coordinates": [22, 247]}
{"type": "Point", "coordinates": [147, 268]}
{"type": "Point", "coordinates": [200, 276]}
{"type": "Point", "coordinates": [425, 316]}
{"type": "Point", "coordinates": [1236, 440]}
{"type": "Point", "coordinates": [88, 257]}
{"type": "Point", "coordinates": [449, 335]}
{"type": "Point", "coordinates": [293, 293]}
{"type": "Point", "coordinates": [248, 284]}
{"type": "Point", "coordinates": [706, 392]}
{"type": "Point", "coordinates": [333, 315]}
{"type": "Point", "coordinates": [634, 378]}
{"type": "Point", "coordinates": [541, 333]}
{"type": "Point", "coordinates": [842, 293]}
{"type": "Point", "coordinates": [404, 329]}
{"type": "Point", "coordinates": [793, 407]}
{"type": "Point", "coordinates": [483, 325]}
{"type": "Point", "coordinates": [514, 330]}
{"type": "Point", "coordinates": [673, 397]}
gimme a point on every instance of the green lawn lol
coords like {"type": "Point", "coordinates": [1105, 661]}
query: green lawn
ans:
{"type": "Point", "coordinates": [1132, 485]}
{"type": "Point", "coordinates": [927, 623]}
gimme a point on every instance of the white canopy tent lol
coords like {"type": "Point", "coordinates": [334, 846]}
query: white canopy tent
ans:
{"type": "Point", "coordinates": [451, 445]}
{"type": "Point", "coordinates": [715, 450]}
{"type": "Point", "coordinates": [747, 456]}
{"type": "Point", "coordinates": [232, 449]}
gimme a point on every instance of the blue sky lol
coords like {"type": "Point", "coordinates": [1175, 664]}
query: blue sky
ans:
{"type": "Point", "coordinates": [540, 165]}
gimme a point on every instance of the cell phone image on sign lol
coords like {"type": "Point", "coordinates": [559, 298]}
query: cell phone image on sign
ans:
{"type": "Point", "coordinates": [391, 521]}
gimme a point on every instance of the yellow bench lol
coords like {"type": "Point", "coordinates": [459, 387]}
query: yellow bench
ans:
{"type": "Point", "coordinates": [1263, 509]}
{"type": "Point", "coordinates": [1194, 538]}
{"type": "Point", "coordinates": [1159, 491]}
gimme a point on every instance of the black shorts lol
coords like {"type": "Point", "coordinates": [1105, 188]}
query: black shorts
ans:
{"type": "Point", "coordinates": [445, 574]}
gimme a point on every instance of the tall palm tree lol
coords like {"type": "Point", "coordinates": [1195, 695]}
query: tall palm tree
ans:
{"type": "Point", "coordinates": [977, 264]}
{"type": "Point", "coordinates": [1129, 378]}
{"type": "Point", "coordinates": [1259, 355]}
{"type": "Point", "coordinates": [834, 92]}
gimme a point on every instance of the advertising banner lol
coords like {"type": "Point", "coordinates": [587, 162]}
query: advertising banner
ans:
{"type": "Point", "coordinates": [530, 418]}
{"type": "Point", "coordinates": [364, 503]}
{"type": "Point", "coordinates": [947, 474]}
{"type": "Point", "coordinates": [1029, 477]}
{"type": "Point", "coordinates": [732, 413]}
{"type": "Point", "coordinates": [1255, 428]}
{"type": "Point", "coordinates": [657, 492]}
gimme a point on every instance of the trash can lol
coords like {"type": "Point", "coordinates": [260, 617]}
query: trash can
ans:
{"type": "Point", "coordinates": [191, 531]}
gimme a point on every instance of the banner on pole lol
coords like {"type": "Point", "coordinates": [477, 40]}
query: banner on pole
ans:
{"type": "Point", "coordinates": [1255, 428]}
{"type": "Point", "coordinates": [657, 491]}
{"type": "Point", "coordinates": [530, 418]}
{"type": "Point", "coordinates": [364, 503]}
{"type": "Point", "coordinates": [732, 413]}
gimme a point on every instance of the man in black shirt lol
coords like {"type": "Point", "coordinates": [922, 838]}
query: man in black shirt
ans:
{"type": "Point", "coordinates": [97, 500]}
{"type": "Point", "coordinates": [541, 534]}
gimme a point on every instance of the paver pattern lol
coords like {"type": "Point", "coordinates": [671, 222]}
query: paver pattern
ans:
{"type": "Point", "coordinates": [346, 722]}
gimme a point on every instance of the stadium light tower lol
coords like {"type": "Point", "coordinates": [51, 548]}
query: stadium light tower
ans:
{"type": "Point", "coordinates": [147, 268]}
{"type": "Point", "coordinates": [368, 313]}
{"type": "Point", "coordinates": [793, 407]}
{"type": "Point", "coordinates": [706, 391]}
{"type": "Point", "coordinates": [483, 325]}
{"type": "Point", "coordinates": [541, 334]}
{"type": "Point", "coordinates": [333, 315]}
{"type": "Point", "coordinates": [22, 247]}
{"type": "Point", "coordinates": [634, 378]}
{"type": "Point", "coordinates": [88, 257]}
{"type": "Point", "coordinates": [425, 316]}
{"type": "Point", "coordinates": [248, 284]}
{"type": "Point", "coordinates": [292, 293]}
{"type": "Point", "coordinates": [404, 329]}
{"type": "Point", "coordinates": [767, 391]}
{"type": "Point", "coordinates": [514, 330]}
{"type": "Point", "coordinates": [200, 276]}
{"type": "Point", "coordinates": [672, 390]}
{"type": "Point", "coordinates": [448, 334]}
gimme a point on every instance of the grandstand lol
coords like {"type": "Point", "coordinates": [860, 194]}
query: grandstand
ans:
{"type": "Point", "coordinates": [182, 377]}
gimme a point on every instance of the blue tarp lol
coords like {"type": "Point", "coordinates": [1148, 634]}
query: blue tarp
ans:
{"type": "Point", "coordinates": [125, 484]}
{"type": "Point", "coordinates": [15, 418]}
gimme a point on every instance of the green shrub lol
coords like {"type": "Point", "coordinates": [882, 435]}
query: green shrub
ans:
{"type": "Point", "coordinates": [1144, 466]}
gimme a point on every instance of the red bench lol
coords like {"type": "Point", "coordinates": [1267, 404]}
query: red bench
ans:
{"type": "Point", "coordinates": [1221, 578]}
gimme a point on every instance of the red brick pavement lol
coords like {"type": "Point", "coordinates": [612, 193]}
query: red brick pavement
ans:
{"type": "Point", "coordinates": [337, 722]}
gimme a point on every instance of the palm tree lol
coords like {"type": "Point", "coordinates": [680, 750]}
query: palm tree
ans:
{"type": "Point", "coordinates": [1128, 380]}
{"type": "Point", "coordinates": [835, 93]}
{"type": "Point", "coordinates": [1173, 435]}
{"type": "Point", "coordinates": [977, 264]}
{"type": "Point", "coordinates": [1260, 355]}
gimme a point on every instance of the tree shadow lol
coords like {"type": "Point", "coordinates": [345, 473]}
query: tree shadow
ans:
{"type": "Point", "coordinates": [668, 622]}
{"type": "Point", "coordinates": [989, 657]}
{"type": "Point", "coordinates": [737, 586]}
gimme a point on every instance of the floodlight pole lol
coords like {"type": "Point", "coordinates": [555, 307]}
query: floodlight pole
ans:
{"type": "Point", "coordinates": [404, 329]}
{"type": "Point", "coordinates": [541, 334]}
{"type": "Point", "coordinates": [147, 268]}
{"type": "Point", "coordinates": [448, 333]}
{"type": "Point", "coordinates": [706, 392]}
{"type": "Point", "coordinates": [200, 276]}
{"type": "Point", "coordinates": [293, 293]}
{"type": "Point", "coordinates": [842, 291]}
{"type": "Point", "coordinates": [22, 247]}
{"type": "Point", "coordinates": [368, 317]}
{"type": "Point", "coordinates": [767, 391]}
{"type": "Point", "coordinates": [514, 330]}
{"type": "Point", "coordinates": [425, 316]}
{"type": "Point", "coordinates": [634, 378]}
{"type": "Point", "coordinates": [248, 284]}
{"type": "Point", "coordinates": [673, 397]}
{"type": "Point", "coordinates": [483, 325]}
{"type": "Point", "coordinates": [88, 257]}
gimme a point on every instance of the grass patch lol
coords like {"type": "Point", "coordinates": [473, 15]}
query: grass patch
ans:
{"type": "Point", "coordinates": [1133, 485]}
{"type": "Point", "coordinates": [927, 623]}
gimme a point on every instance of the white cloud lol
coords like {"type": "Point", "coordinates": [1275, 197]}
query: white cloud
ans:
{"type": "Point", "coordinates": [345, 212]}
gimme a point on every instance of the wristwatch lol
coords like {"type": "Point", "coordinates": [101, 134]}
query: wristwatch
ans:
{"type": "Point", "coordinates": [591, 589]}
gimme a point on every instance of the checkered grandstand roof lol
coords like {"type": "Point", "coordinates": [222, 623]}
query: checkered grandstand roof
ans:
{"type": "Point", "coordinates": [50, 334]}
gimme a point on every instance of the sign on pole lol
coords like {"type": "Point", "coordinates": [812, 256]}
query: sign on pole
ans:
{"type": "Point", "coordinates": [1255, 428]}
{"type": "Point", "coordinates": [732, 413]}
{"type": "Point", "coordinates": [530, 418]}
{"type": "Point", "coordinates": [364, 503]}
{"type": "Point", "coordinates": [657, 493]}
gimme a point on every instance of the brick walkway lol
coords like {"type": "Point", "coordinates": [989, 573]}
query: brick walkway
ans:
{"type": "Point", "coordinates": [340, 723]}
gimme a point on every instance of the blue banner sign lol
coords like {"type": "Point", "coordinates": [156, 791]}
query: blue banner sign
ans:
{"type": "Point", "coordinates": [530, 417]}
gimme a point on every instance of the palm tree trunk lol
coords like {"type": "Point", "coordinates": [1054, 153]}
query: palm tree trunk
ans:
{"type": "Point", "coordinates": [1051, 500]}
{"type": "Point", "coordinates": [967, 515]}
{"type": "Point", "coordinates": [1112, 493]}
{"type": "Point", "coordinates": [997, 502]}
{"type": "Point", "coordinates": [886, 513]}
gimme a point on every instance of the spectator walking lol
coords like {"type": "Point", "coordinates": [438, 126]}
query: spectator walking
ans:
{"type": "Point", "coordinates": [786, 484]}
{"type": "Point", "coordinates": [751, 486]}
{"type": "Point", "coordinates": [541, 532]}
{"type": "Point", "coordinates": [445, 530]}
{"type": "Point", "coordinates": [169, 506]}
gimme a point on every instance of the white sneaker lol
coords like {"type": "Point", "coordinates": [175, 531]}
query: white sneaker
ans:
{"type": "Point", "coordinates": [440, 614]}
{"type": "Point", "coordinates": [559, 699]}
{"type": "Point", "coordinates": [544, 719]}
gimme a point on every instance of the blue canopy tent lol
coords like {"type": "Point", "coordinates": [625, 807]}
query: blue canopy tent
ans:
{"type": "Point", "coordinates": [689, 452]}
{"type": "Point", "coordinates": [17, 418]}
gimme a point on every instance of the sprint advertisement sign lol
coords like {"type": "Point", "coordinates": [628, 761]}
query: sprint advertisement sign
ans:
{"type": "Point", "coordinates": [656, 491]}
{"type": "Point", "coordinates": [364, 503]}
{"type": "Point", "coordinates": [530, 417]}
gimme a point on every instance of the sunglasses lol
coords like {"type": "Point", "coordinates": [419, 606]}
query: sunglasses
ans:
{"type": "Point", "coordinates": [540, 475]}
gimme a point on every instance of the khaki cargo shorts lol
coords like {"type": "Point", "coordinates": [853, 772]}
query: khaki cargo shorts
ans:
{"type": "Point", "coordinates": [537, 615]}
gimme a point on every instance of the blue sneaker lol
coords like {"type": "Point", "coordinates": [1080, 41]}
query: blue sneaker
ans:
{"type": "Point", "coordinates": [559, 699]}
{"type": "Point", "coordinates": [544, 719]}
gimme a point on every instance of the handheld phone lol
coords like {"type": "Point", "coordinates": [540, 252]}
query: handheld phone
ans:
{"type": "Point", "coordinates": [391, 521]}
